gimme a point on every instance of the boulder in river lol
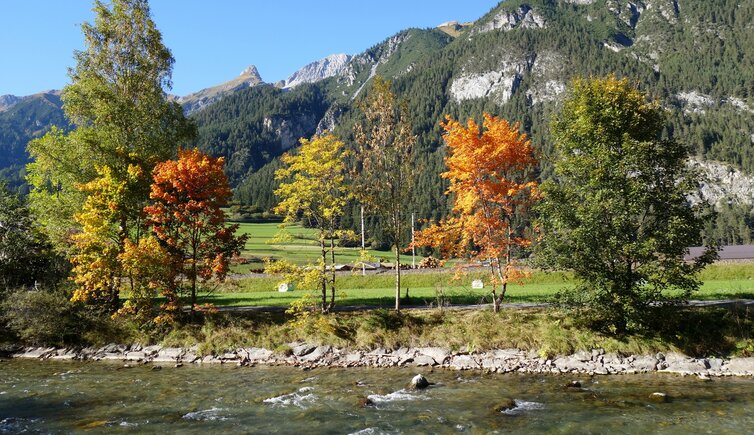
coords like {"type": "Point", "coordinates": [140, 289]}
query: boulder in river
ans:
{"type": "Point", "coordinates": [504, 405]}
{"type": "Point", "coordinates": [419, 382]}
{"type": "Point", "coordinates": [659, 397]}
{"type": "Point", "coordinates": [365, 402]}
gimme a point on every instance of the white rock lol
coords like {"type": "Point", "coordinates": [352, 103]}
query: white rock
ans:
{"type": "Point", "coordinates": [333, 65]}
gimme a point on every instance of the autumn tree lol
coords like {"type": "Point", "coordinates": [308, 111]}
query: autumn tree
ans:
{"type": "Point", "coordinates": [384, 178]}
{"type": "Point", "coordinates": [124, 122]}
{"type": "Point", "coordinates": [187, 218]}
{"type": "Point", "coordinates": [151, 269]}
{"type": "Point", "coordinates": [617, 213]}
{"type": "Point", "coordinates": [313, 190]}
{"type": "Point", "coordinates": [491, 171]}
{"type": "Point", "coordinates": [96, 268]}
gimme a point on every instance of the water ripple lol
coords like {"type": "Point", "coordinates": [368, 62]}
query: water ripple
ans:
{"type": "Point", "coordinates": [523, 406]}
{"type": "Point", "coordinates": [212, 414]}
{"type": "Point", "coordinates": [299, 398]}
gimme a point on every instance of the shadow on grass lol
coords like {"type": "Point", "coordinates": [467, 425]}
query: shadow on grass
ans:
{"type": "Point", "coordinates": [704, 331]}
{"type": "Point", "coordinates": [713, 295]}
{"type": "Point", "coordinates": [285, 299]}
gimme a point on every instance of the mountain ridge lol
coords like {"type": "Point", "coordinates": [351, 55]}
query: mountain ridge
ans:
{"type": "Point", "coordinates": [516, 61]}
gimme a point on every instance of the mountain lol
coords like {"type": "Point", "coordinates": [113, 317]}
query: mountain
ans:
{"type": "Point", "coordinates": [198, 100]}
{"type": "Point", "coordinates": [21, 120]}
{"type": "Point", "coordinates": [7, 101]}
{"type": "Point", "coordinates": [330, 66]}
{"type": "Point", "coordinates": [695, 56]}
{"type": "Point", "coordinates": [453, 28]}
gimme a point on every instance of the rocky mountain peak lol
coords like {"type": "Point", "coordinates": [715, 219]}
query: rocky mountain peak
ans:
{"type": "Point", "coordinates": [330, 66]}
{"type": "Point", "coordinates": [8, 101]}
{"type": "Point", "coordinates": [251, 72]}
{"type": "Point", "coordinates": [249, 77]}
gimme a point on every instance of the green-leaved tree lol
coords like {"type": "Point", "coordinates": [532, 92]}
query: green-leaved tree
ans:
{"type": "Point", "coordinates": [125, 125]}
{"type": "Point", "coordinates": [618, 213]}
{"type": "Point", "coordinates": [117, 100]}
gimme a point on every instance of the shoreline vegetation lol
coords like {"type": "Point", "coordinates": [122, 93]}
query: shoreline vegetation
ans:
{"type": "Point", "coordinates": [701, 341]}
{"type": "Point", "coordinates": [309, 356]}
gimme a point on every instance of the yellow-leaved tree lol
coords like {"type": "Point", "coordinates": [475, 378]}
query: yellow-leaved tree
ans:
{"type": "Point", "coordinates": [313, 190]}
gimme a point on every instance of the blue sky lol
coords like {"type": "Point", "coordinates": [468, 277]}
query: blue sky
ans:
{"type": "Point", "coordinates": [214, 40]}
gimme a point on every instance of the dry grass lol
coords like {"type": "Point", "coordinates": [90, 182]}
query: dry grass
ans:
{"type": "Point", "coordinates": [548, 332]}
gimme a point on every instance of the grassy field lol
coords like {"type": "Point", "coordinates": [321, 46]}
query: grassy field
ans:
{"type": "Point", "coordinates": [300, 248]}
{"type": "Point", "coordinates": [721, 281]}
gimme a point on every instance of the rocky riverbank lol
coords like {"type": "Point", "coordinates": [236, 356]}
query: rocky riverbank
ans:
{"type": "Point", "coordinates": [306, 356]}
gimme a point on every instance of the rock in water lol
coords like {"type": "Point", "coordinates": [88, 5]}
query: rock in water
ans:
{"type": "Point", "coordinates": [504, 405]}
{"type": "Point", "coordinates": [365, 402]}
{"type": "Point", "coordinates": [419, 382]}
{"type": "Point", "coordinates": [659, 397]}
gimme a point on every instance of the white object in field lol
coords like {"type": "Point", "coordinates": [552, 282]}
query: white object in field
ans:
{"type": "Point", "coordinates": [477, 283]}
{"type": "Point", "coordinates": [285, 287]}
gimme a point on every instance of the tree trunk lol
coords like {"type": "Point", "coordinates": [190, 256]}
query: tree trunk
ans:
{"type": "Point", "coordinates": [193, 286]}
{"type": "Point", "coordinates": [324, 274]}
{"type": "Point", "coordinates": [332, 282]}
{"type": "Point", "coordinates": [495, 300]}
{"type": "Point", "coordinates": [194, 254]}
{"type": "Point", "coordinates": [397, 240]}
{"type": "Point", "coordinates": [397, 278]}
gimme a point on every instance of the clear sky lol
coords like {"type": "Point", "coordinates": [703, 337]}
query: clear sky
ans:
{"type": "Point", "coordinates": [214, 40]}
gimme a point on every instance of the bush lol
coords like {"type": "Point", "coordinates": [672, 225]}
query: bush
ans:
{"type": "Point", "coordinates": [49, 318]}
{"type": "Point", "coordinates": [39, 317]}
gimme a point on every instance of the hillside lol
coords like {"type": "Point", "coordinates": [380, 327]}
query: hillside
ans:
{"type": "Point", "coordinates": [23, 119]}
{"type": "Point", "coordinates": [695, 56]}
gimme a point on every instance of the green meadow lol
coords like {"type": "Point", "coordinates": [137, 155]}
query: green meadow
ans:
{"type": "Point", "coordinates": [446, 287]}
{"type": "Point", "coordinates": [299, 246]}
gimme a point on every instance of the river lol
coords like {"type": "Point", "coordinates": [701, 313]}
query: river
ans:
{"type": "Point", "coordinates": [50, 396]}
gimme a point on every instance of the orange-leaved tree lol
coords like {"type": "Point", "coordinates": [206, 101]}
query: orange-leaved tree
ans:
{"type": "Point", "coordinates": [186, 217]}
{"type": "Point", "coordinates": [491, 170]}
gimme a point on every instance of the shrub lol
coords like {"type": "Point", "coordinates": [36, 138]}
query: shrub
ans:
{"type": "Point", "coordinates": [49, 318]}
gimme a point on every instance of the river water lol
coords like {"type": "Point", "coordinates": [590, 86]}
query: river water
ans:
{"type": "Point", "coordinates": [97, 397]}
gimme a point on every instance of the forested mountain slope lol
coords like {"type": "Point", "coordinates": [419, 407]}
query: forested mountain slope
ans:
{"type": "Point", "coordinates": [695, 56]}
{"type": "Point", "coordinates": [23, 119]}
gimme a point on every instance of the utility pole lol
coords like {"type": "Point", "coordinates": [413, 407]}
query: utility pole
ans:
{"type": "Point", "coordinates": [363, 269]}
{"type": "Point", "coordinates": [413, 248]}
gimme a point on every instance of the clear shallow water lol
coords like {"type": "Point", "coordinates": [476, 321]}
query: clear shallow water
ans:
{"type": "Point", "coordinates": [102, 397]}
